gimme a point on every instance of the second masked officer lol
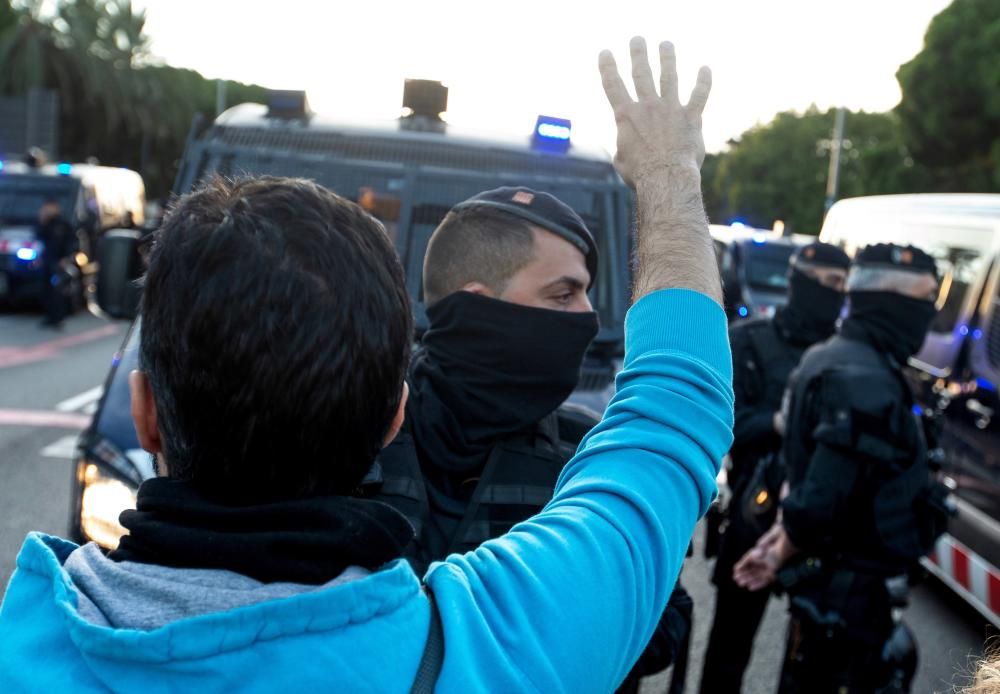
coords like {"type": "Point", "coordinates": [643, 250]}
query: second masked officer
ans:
{"type": "Point", "coordinates": [862, 506]}
{"type": "Point", "coordinates": [505, 282]}
{"type": "Point", "coordinates": [765, 351]}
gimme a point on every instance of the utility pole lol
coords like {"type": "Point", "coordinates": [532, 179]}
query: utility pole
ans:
{"type": "Point", "coordinates": [836, 145]}
{"type": "Point", "coordinates": [220, 96]}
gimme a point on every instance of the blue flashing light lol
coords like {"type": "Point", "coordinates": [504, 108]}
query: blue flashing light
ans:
{"type": "Point", "coordinates": [918, 410]}
{"type": "Point", "coordinates": [64, 169]}
{"type": "Point", "coordinates": [26, 254]}
{"type": "Point", "coordinates": [984, 384]}
{"type": "Point", "coordinates": [759, 239]}
{"type": "Point", "coordinates": [737, 225]}
{"type": "Point", "coordinates": [743, 311]}
{"type": "Point", "coordinates": [1, 164]}
{"type": "Point", "coordinates": [552, 133]}
{"type": "Point", "coordinates": [977, 334]}
{"type": "Point", "coordinates": [963, 330]}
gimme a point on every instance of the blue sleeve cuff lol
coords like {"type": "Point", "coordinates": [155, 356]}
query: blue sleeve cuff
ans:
{"type": "Point", "coordinates": [679, 320]}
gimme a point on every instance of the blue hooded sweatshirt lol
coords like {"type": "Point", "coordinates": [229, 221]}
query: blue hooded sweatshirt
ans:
{"type": "Point", "coordinates": [565, 602]}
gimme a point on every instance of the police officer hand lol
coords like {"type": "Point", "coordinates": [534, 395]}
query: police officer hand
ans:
{"type": "Point", "coordinates": [656, 133]}
{"type": "Point", "coordinates": [759, 567]}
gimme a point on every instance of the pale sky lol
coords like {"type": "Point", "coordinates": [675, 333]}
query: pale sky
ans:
{"type": "Point", "coordinates": [506, 62]}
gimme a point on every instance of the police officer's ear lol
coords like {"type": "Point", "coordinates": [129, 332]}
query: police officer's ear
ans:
{"type": "Point", "coordinates": [479, 288]}
{"type": "Point", "coordinates": [400, 416]}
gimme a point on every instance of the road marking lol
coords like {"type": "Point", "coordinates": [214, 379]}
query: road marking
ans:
{"type": "Point", "coordinates": [44, 418]}
{"type": "Point", "coordinates": [82, 400]}
{"type": "Point", "coordinates": [16, 356]}
{"type": "Point", "coordinates": [63, 448]}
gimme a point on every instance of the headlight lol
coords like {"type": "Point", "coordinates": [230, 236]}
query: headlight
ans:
{"type": "Point", "coordinates": [104, 498]}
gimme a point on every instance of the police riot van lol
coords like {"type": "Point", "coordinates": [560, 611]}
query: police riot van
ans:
{"type": "Point", "coordinates": [408, 173]}
{"type": "Point", "coordinates": [956, 374]}
{"type": "Point", "coordinates": [92, 198]}
{"type": "Point", "coordinates": [753, 264]}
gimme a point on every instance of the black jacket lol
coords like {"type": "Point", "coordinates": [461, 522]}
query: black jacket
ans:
{"type": "Point", "coordinates": [856, 459]}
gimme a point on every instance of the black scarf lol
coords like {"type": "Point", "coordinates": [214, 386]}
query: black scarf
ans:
{"type": "Point", "coordinates": [300, 541]}
{"type": "Point", "coordinates": [488, 369]}
{"type": "Point", "coordinates": [892, 323]}
{"type": "Point", "coordinates": [812, 310]}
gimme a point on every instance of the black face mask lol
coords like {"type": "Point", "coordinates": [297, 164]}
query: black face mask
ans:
{"type": "Point", "coordinates": [488, 369]}
{"type": "Point", "coordinates": [894, 323]}
{"type": "Point", "coordinates": [813, 309]}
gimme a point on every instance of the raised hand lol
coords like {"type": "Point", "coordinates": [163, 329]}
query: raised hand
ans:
{"type": "Point", "coordinates": [660, 151]}
{"type": "Point", "coordinates": [655, 132]}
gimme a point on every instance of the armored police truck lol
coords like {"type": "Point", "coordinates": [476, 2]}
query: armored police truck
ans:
{"type": "Point", "coordinates": [408, 173]}
{"type": "Point", "coordinates": [956, 373]}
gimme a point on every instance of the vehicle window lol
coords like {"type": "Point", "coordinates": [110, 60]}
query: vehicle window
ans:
{"type": "Point", "coordinates": [766, 266]}
{"type": "Point", "coordinates": [412, 205]}
{"type": "Point", "coordinates": [378, 191]}
{"type": "Point", "coordinates": [21, 198]}
{"type": "Point", "coordinates": [958, 268]}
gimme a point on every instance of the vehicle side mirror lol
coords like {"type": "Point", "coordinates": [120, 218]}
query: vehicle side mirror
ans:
{"type": "Point", "coordinates": [119, 266]}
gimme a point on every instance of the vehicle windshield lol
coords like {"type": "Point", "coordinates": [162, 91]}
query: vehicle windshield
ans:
{"type": "Point", "coordinates": [21, 197]}
{"type": "Point", "coordinates": [767, 266]}
{"type": "Point", "coordinates": [411, 203]}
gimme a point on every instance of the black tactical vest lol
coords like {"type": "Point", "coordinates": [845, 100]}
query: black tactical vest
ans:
{"type": "Point", "coordinates": [851, 397]}
{"type": "Point", "coordinates": [763, 359]}
{"type": "Point", "coordinates": [516, 482]}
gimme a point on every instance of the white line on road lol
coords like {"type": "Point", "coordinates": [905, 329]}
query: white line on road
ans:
{"type": "Point", "coordinates": [82, 400]}
{"type": "Point", "coordinates": [63, 448]}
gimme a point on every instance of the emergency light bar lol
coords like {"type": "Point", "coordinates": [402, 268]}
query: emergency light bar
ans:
{"type": "Point", "coordinates": [64, 169]}
{"type": "Point", "coordinates": [552, 134]}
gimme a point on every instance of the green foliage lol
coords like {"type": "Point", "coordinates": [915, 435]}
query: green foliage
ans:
{"type": "Point", "coordinates": [115, 104]}
{"type": "Point", "coordinates": [950, 110]}
{"type": "Point", "coordinates": [779, 170]}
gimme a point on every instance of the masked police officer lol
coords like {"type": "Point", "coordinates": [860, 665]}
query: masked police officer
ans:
{"type": "Point", "coordinates": [505, 281]}
{"type": "Point", "coordinates": [862, 507]}
{"type": "Point", "coordinates": [765, 351]}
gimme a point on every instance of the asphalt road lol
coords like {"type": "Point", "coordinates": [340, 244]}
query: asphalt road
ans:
{"type": "Point", "coordinates": [47, 388]}
{"type": "Point", "coordinates": [49, 383]}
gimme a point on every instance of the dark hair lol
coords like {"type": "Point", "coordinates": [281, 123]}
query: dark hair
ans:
{"type": "Point", "coordinates": [276, 331]}
{"type": "Point", "coordinates": [476, 244]}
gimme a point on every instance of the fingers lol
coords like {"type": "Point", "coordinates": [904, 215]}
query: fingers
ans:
{"type": "Point", "coordinates": [668, 72]}
{"type": "Point", "coordinates": [699, 95]}
{"type": "Point", "coordinates": [641, 73]}
{"type": "Point", "coordinates": [614, 87]}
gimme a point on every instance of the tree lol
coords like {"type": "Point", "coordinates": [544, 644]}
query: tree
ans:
{"type": "Point", "coordinates": [116, 103]}
{"type": "Point", "coordinates": [779, 170]}
{"type": "Point", "coordinates": [950, 110]}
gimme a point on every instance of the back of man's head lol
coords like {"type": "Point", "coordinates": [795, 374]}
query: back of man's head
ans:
{"type": "Point", "coordinates": [276, 332]}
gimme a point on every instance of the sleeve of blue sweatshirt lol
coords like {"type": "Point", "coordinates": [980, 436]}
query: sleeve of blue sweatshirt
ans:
{"type": "Point", "coordinates": [567, 600]}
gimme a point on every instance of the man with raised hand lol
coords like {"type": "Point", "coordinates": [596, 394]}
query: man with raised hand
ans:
{"type": "Point", "coordinates": [251, 564]}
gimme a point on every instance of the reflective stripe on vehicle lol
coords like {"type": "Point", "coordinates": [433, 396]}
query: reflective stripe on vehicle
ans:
{"type": "Point", "coordinates": [968, 574]}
